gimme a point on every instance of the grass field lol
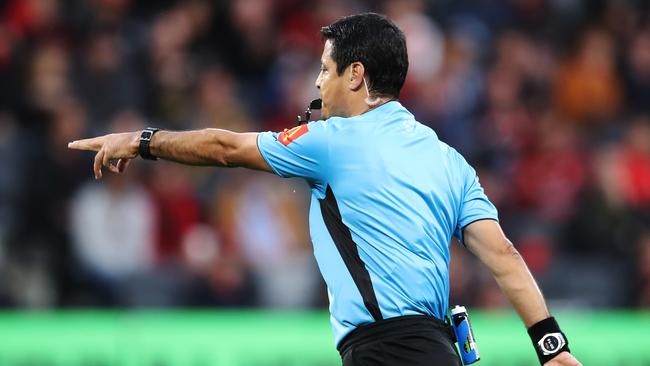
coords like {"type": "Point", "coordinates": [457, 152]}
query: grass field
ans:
{"type": "Point", "coordinates": [251, 338]}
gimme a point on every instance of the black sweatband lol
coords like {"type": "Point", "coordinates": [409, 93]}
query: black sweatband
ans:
{"type": "Point", "coordinates": [548, 339]}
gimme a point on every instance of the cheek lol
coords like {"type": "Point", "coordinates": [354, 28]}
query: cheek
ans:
{"type": "Point", "coordinates": [330, 86]}
{"type": "Point", "coordinates": [324, 82]}
{"type": "Point", "coordinates": [325, 87]}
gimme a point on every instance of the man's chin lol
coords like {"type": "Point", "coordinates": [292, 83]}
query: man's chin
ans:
{"type": "Point", "coordinates": [326, 113]}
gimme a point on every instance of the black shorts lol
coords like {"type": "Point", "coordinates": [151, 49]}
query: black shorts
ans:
{"type": "Point", "coordinates": [407, 340]}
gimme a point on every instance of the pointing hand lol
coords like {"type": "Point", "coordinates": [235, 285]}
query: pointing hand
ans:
{"type": "Point", "coordinates": [114, 151]}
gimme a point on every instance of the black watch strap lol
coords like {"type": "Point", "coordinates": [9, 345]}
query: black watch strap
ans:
{"type": "Point", "coordinates": [145, 140]}
{"type": "Point", "coordinates": [548, 339]}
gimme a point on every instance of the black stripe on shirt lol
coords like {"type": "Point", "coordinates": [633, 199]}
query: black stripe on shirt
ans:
{"type": "Point", "coordinates": [348, 249]}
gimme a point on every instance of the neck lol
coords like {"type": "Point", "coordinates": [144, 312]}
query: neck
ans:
{"type": "Point", "coordinates": [362, 107]}
{"type": "Point", "coordinates": [379, 103]}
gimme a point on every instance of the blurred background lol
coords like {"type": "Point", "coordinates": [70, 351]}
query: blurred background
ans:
{"type": "Point", "coordinates": [548, 99]}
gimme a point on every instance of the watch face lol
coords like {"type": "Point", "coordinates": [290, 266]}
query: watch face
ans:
{"type": "Point", "coordinates": [551, 343]}
{"type": "Point", "coordinates": [146, 135]}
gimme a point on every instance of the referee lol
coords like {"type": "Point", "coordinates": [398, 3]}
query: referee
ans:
{"type": "Point", "coordinates": [387, 196]}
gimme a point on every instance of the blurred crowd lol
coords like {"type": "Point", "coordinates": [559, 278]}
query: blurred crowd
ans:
{"type": "Point", "coordinates": [548, 99]}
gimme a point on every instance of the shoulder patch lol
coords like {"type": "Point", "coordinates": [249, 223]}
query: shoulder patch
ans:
{"type": "Point", "coordinates": [289, 135]}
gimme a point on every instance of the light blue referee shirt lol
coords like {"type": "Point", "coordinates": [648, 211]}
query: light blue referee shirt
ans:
{"type": "Point", "coordinates": [387, 196]}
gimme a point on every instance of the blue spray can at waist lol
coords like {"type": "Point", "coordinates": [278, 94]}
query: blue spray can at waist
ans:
{"type": "Point", "coordinates": [464, 335]}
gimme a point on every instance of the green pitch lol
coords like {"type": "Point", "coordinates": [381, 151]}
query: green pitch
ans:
{"type": "Point", "coordinates": [243, 338]}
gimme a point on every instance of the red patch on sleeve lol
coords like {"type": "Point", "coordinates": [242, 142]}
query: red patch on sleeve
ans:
{"type": "Point", "coordinates": [288, 136]}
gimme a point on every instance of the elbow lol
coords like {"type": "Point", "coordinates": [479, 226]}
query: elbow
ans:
{"type": "Point", "coordinates": [222, 152]}
{"type": "Point", "coordinates": [508, 249]}
{"type": "Point", "coordinates": [507, 259]}
{"type": "Point", "coordinates": [227, 157]}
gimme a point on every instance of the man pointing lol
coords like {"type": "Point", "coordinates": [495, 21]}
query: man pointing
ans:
{"type": "Point", "coordinates": [387, 196]}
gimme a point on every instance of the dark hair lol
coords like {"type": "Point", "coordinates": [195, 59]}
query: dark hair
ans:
{"type": "Point", "coordinates": [376, 42]}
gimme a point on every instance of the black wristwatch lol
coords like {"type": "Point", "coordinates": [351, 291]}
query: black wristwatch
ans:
{"type": "Point", "coordinates": [145, 140]}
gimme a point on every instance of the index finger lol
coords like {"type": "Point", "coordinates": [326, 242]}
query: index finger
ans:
{"type": "Point", "coordinates": [92, 144]}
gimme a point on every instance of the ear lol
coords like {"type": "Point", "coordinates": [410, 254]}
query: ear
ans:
{"type": "Point", "coordinates": [356, 74]}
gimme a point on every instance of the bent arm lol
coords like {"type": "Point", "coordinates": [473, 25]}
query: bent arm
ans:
{"type": "Point", "coordinates": [488, 242]}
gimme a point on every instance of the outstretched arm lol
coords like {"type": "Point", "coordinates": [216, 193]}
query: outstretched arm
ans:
{"type": "Point", "coordinates": [201, 147]}
{"type": "Point", "coordinates": [488, 242]}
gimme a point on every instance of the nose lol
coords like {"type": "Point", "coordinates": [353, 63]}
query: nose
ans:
{"type": "Point", "coordinates": [318, 80]}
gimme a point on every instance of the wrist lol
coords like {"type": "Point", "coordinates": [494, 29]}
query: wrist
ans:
{"type": "Point", "coordinates": [548, 339]}
{"type": "Point", "coordinates": [146, 137]}
{"type": "Point", "coordinates": [134, 143]}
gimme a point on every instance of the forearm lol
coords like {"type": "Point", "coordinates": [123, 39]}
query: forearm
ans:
{"type": "Point", "coordinates": [519, 286]}
{"type": "Point", "coordinates": [486, 239]}
{"type": "Point", "coordinates": [201, 147]}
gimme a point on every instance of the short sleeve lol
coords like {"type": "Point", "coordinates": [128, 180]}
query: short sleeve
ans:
{"type": "Point", "coordinates": [475, 204]}
{"type": "Point", "coordinates": [298, 152]}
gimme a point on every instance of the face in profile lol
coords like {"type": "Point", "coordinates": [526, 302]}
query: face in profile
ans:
{"type": "Point", "coordinates": [331, 85]}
